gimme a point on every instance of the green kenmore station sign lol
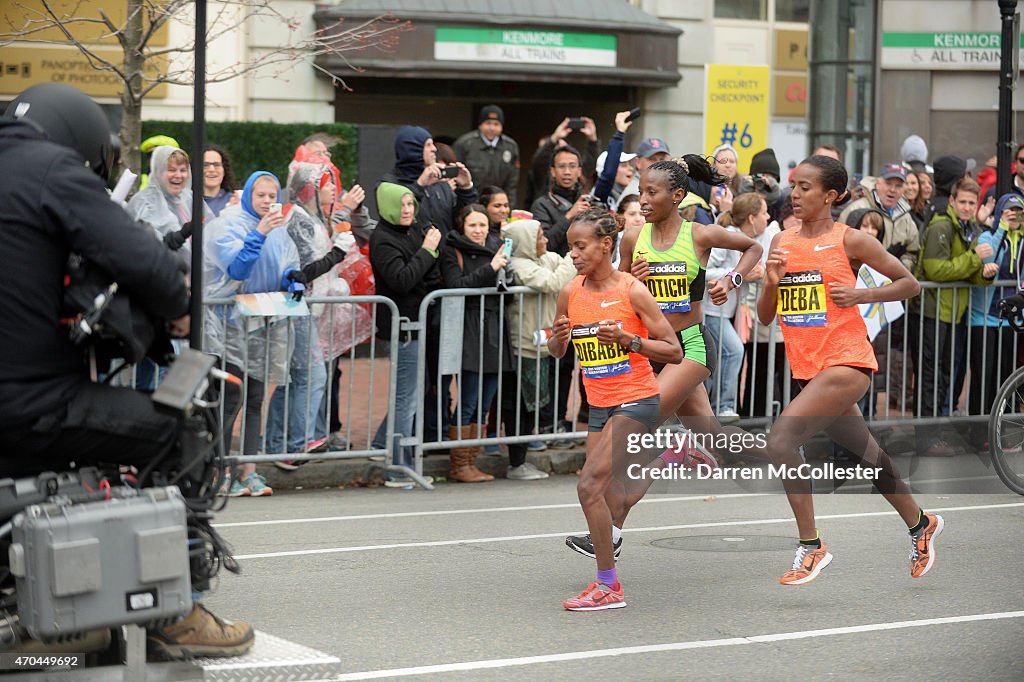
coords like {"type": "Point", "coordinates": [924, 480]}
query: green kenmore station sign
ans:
{"type": "Point", "coordinates": [943, 50]}
{"type": "Point", "coordinates": [524, 46]}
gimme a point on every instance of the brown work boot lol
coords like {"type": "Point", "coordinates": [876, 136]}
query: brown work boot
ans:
{"type": "Point", "coordinates": [473, 431]}
{"type": "Point", "coordinates": [200, 633]}
{"type": "Point", "coordinates": [463, 459]}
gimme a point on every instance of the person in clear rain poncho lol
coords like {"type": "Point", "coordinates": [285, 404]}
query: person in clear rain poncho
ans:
{"type": "Point", "coordinates": [165, 206]}
{"type": "Point", "coordinates": [310, 188]}
{"type": "Point", "coordinates": [246, 253]}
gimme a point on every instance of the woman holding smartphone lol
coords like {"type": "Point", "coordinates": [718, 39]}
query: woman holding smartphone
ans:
{"type": "Point", "coordinates": [471, 261]}
{"type": "Point", "coordinates": [244, 252]}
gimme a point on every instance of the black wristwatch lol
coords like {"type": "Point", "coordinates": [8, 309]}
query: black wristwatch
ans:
{"type": "Point", "coordinates": [634, 345]}
{"type": "Point", "coordinates": [736, 278]}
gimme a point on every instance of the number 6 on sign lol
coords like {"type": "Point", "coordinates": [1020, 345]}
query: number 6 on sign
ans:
{"type": "Point", "coordinates": [745, 139]}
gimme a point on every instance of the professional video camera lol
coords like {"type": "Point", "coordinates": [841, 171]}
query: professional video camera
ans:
{"type": "Point", "coordinates": [107, 323]}
{"type": "Point", "coordinates": [84, 554]}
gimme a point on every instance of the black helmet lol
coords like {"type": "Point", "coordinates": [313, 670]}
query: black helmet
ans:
{"type": "Point", "coordinates": [69, 118]}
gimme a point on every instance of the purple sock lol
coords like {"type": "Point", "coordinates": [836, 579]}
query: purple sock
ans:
{"type": "Point", "coordinates": [607, 577]}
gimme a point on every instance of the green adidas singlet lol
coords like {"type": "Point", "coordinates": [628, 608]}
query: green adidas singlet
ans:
{"type": "Point", "coordinates": [676, 275]}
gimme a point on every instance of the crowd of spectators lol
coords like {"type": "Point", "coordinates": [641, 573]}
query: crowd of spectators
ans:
{"type": "Point", "coordinates": [454, 217]}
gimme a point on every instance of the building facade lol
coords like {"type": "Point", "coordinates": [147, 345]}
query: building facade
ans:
{"type": "Point", "coordinates": [861, 74]}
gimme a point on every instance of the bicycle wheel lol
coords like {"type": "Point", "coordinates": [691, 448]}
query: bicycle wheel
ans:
{"type": "Point", "coordinates": [1006, 432]}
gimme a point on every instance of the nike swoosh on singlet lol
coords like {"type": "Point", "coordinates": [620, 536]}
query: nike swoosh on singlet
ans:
{"type": "Point", "coordinates": [822, 247]}
{"type": "Point", "coordinates": [605, 304]}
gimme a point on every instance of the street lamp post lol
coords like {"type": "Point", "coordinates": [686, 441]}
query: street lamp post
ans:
{"type": "Point", "coordinates": [1008, 67]}
{"type": "Point", "coordinates": [198, 204]}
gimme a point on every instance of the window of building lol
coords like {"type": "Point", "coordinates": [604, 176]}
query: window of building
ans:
{"type": "Point", "coordinates": [741, 9]}
{"type": "Point", "coordinates": [793, 10]}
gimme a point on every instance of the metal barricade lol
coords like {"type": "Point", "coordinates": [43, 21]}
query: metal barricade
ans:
{"type": "Point", "coordinates": [979, 349]}
{"type": "Point", "coordinates": [917, 344]}
{"type": "Point", "coordinates": [762, 387]}
{"type": "Point", "coordinates": [304, 358]}
{"type": "Point", "coordinates": [765, 383]}
{"type": "Point", "coordinates": [521, 424]}
{"type": "Point", "coordinates": [529, 377]}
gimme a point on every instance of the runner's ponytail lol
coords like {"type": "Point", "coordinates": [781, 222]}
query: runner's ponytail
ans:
{"type": "Point", "coordinates": [682, 168]}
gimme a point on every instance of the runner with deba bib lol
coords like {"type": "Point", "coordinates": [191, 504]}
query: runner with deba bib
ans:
{"type": "Point", "coordinates": [669, 255]}
{"type": "Point", "coordinates": [810, 285]}
{"type": "Point", "coordinates": [615, 326]}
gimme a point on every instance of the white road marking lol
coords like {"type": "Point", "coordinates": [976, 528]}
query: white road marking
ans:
{"type": "Point", "coordinates": [914, 481]}
{"type": "Point", "coordinates": [673, 646]}
{"type": "Point", "coordinates": [479, 510]}
{"type": "Point", "coordinates": [654, 499]}
{"type": "Point", "coordinates": [650, 529]}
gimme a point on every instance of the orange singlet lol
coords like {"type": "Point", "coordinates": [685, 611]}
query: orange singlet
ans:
{"type": "Point", "coordinates": [817, 332]}
{"type": "Point", "coordinates": [611, 374]}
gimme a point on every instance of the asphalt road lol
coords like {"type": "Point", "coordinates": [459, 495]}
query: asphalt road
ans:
{"type": "Point", "coordinates": [466, 582]}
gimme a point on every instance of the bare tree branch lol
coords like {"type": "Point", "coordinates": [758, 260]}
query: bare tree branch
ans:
{"type": "Point", "coordinates": [159, 18]}
{"type": "Point", "coordinates": [45, 23]}
{"type": "Point", "coordinates": [144, 18]}
{"type": "Point", "coordinates": [114, 30]}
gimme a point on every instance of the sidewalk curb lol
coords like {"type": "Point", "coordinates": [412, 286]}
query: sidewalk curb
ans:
{"type": "Point", "coordinates": [341, 473]}
{"type": "Point", "coordinates": [360, 471]}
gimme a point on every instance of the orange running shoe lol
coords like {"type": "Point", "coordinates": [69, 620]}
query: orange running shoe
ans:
{"type": "Point", "coordinates": [806, 565]}
{"type": "Point", "coordinates": [922, 551]}
{"type": "Point", "coordinates": [597, 597]}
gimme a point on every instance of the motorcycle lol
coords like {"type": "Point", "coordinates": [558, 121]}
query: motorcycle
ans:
{"type": "Point", "coordinates": [87, 551]}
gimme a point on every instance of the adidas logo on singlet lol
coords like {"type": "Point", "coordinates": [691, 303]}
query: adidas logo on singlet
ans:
{"type": "Point", "coordinates": [668, 268]}
{"type": "Point", "coordinates": [812, 277]}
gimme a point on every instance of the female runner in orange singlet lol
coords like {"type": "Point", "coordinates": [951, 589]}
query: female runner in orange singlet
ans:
{"type": "Point", "coordinates": [810, 283]}
{"type": "Point", "coordinates": [615, 326]}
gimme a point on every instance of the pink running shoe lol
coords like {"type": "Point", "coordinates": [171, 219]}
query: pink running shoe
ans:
{"type": "Point", "coordinates": [597, 597]}
{"type": "Point", "coordinates": [688, 457]}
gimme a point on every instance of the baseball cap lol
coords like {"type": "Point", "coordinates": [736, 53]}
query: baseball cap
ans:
{"type": "Point", "coordinates": [893, 170]}
{"type": "Point", "coordinates": [1014, 201]}
{"type": "Point", "coordinates": [623, 158]}
{"type": "Point", "coordinates": [652, 146]}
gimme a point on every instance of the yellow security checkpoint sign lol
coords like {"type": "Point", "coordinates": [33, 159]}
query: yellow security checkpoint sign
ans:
{"type": "Point", "coordinates": [736, 109]}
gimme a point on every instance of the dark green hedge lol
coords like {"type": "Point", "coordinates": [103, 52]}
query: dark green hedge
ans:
{"type": "Point", "coordinates": [264, 146]}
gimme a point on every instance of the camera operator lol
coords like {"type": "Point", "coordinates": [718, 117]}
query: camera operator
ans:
{"type": "Point", "coordinates": [51, 414]}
